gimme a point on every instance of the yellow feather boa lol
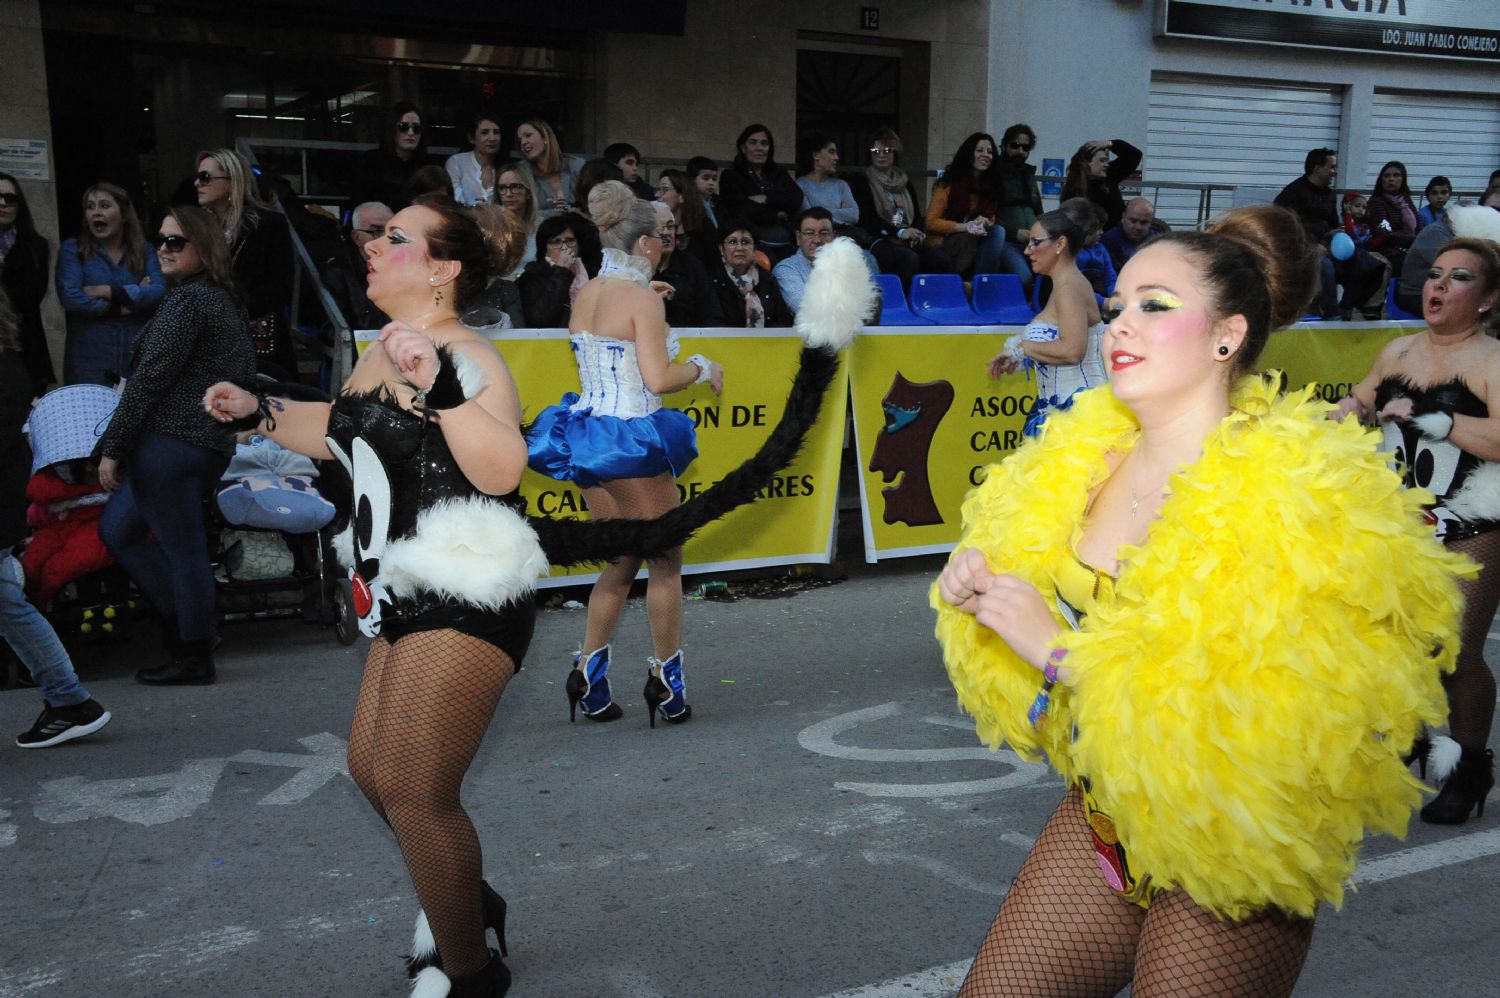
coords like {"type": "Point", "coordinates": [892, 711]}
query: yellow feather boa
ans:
{"type": "Point", "coordinates": [1243, 700]}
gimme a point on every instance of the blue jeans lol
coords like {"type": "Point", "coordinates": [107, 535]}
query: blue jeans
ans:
{"type": "Point", "coordinates": [34, 641]}
{"type": "Point", "coordinates": [166, 482]}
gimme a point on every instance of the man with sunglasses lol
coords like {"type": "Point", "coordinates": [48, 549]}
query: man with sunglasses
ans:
{"type": "Point", "coordinates": [346, 273]}
{"type": "Point", "coordinates": [1020, 200]}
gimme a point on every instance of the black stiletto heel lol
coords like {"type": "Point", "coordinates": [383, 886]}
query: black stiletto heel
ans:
{"type": "Point", "coordinates": [1465, 789]}
{"type": "Point", "coordinates": [1420, 748]}
{"type": "Point", "coordinates": [494, 914]}
{"type": "Point", "coordinates": [576, 686]}
{"type": "Point", "coordinates": [655, 693]}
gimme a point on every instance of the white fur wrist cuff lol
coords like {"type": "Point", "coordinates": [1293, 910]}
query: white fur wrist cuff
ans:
{"type": "Point", "coordinates": [1013, 349]}
{"type": "Point", "coordinates": [1434, 425]}
{"type": "Point", "coordinates": [705, 367]}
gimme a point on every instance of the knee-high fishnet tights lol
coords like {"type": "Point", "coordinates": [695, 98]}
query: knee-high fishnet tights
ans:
{"type": "Point", "coordinates": [1062, 933]}
{"type": "Point", "coordinates": [423, 708]}
{"type": "Point", "coordinates": [1471, 686]}
{"type": "Point", "coordinates": [636, 499]}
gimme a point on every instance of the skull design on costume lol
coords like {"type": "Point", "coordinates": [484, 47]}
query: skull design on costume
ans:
{"type": "Point", "coordinates": [370, 526]}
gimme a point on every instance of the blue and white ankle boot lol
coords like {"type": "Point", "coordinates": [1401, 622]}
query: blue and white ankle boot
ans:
{"type": "Point", "coordinates": [588, 688]}
{"type": "Point", "coordinates": [666, 694]}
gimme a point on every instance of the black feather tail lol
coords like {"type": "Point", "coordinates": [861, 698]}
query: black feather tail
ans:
{"type": "Point", "coordinates": [570, 542]}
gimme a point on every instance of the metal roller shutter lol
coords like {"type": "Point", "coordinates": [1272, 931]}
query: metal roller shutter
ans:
{"type": "Point", "coordinates": [1435, 134]}
{"type": "Point", "coordinates": [1215, 130]}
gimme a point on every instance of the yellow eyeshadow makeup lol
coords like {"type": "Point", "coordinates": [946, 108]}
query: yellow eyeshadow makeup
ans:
{"type": "Point", "coordinates": [1165, 300]}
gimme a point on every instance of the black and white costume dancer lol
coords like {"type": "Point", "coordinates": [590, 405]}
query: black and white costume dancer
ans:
{"type": "Point", "coordinates": [444, 563]}
{"type": "Point", "coordinates": [1437, 393]}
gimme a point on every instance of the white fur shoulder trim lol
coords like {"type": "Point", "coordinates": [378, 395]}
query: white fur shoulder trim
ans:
{"type": "Point", "coordinates": [477, 550]}
{"type": "Point", "coordinates": [1472, 221]}
{"type": "Point", "coordinates": [839, 298]}
{"type": "Point", "coordinates": [470, 375]}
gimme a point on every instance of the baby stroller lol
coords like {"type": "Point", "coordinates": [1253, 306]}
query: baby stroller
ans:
{"type": "Point", "coordinates": [68, 570]}
{"type": "Point", "coordinates": [274, 548]}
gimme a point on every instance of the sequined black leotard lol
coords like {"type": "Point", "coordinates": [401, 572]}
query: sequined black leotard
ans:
{"type": "Point", "coordinates": [426, 548]}
{"type": "Point", "coordinates": [1467, 487]}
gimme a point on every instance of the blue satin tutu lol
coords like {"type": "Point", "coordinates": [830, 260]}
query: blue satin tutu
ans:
{"type": "Point", "coordinates": [577, 446]}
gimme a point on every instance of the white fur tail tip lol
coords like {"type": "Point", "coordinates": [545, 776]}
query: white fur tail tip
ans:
{"type": "Point", "coordinates": [1442, 758]}
{"type": "Point", "coordinates": [839, 298]}
{"type": "Point", "coordinates": [423, 946]}
{"type": "Point", "coordinates": [431, 983]}
{"type": "Point", "coordinates": [1474, 221]}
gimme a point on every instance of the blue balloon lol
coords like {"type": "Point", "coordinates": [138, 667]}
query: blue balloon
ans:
{"type": "Point", "coordinates": [1341, 246]}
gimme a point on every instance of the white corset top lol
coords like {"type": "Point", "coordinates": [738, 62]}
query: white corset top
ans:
{"type": "Point", "coordinates": [610, 376]}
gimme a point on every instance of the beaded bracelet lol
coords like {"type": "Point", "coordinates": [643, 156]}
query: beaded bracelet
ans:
{"type": "Point", "coordinates": [1043, 701]}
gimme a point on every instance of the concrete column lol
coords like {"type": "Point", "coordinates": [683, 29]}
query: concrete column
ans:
{"type": "Point", "coordinates": [26, 113]}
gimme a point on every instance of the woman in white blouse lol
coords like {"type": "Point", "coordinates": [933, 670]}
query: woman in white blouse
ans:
{"type": "Point", "coordinates": [473, 171]}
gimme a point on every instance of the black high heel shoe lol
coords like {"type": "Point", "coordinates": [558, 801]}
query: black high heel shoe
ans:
{"type": "Point", "coordinates": [1421, 746]}
{"type": "Point", "coordinates": [494, 914]}
{"type": "Point", "coordinates": [655, 693]}
{"type": "Point", "coordinates": [666, 692]}
{"type": "Point", "coordinates": [1465, 789]}
{"type": "Point", "coordinates": [588, 685]}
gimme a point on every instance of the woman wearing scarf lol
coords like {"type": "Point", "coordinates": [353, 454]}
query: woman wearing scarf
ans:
{"type": "Point", "coordinates": [889, 210]}
{"type": "Point", "coordinates": [748, 294]}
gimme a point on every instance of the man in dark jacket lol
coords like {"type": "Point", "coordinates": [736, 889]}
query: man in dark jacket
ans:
{"type": "Point", "coordinates": [1311, 198]}
{"type": "Point", "coordinates": [1019, 198]}
{"type": "Point", "coordinates": [68, 711]}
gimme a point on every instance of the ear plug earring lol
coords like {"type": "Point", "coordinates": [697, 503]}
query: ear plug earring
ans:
{"type": "Point", "coordinates": [1223, 351]}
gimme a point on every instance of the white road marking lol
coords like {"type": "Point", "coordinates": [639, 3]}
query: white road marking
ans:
{"type": "Point", "coordinates": [328, 759]}
{"type": "Point", "coordinates": [943, 981]}
{"type": "Point", "coordinates": [945, 872]}
{"type": "Point", "coordinates": [821, 738]}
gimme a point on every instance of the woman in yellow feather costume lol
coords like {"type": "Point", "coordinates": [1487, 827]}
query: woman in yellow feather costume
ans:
{"type": "Point", "coordinates": [1220, 616]}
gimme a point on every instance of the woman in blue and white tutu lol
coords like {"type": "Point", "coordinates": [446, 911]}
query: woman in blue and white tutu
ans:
{"type": "Point", "coordinates": [622, 448]}
{"type": "Point", "coordinates": [1062, 343]}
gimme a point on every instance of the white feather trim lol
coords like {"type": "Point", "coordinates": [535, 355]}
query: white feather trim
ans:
{"type": "Point", "coordinates": [470, 375]}
{"type": "Point", "coordinates": [423, 946]}
{"type": "Point", "coordinates": [476, 550]}
{"type": "Point", "coordinates": [343, 546]}
{"type": "Point", "coordinates": [1442, 758]}
{"type": "Point", "coordinates": [1433, 425]}
{"type": "Point", "coordinates": [1479, 499]}
{"type": "Point", "coordinates": [1473, 221]}
{"type": "Point", "coordinates": [430, 983]}
{"type": "Point", "coordinates": [839, 297]}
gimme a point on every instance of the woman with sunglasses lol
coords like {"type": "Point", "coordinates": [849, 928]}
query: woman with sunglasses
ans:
{"type": "Point", "coordinates": [109, 283]}
{"type": "Point", "coordinates": [1061, 345]}
{"type": "Point", "coordinates": [24, 256]}
{"type": "Point", "coordinates": [161, 456]}
{"type": "Point", "coordinates": [260, 249]}
{"type": "Point", "coordinates": [384, 172]}
{"type": "Point", "coordinates": [889, 210]}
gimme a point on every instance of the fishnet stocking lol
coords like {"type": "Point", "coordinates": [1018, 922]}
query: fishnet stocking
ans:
{"type": "Point", "coordinates": [1063, 933]}
{"type": "Point", "coordinates": [1471, 686]}
{"type": "Point", "coordinates": [1187, 953]}
{"type": "Point", "coordinates": [423, 709]}
{"type": "Point", "coordinates": [636, 499]}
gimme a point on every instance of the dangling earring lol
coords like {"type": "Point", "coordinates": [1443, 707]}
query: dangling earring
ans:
{"type": "Point", "coordinates": [437, 294]}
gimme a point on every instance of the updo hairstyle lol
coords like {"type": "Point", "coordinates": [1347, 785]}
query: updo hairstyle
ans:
{"type": "Point", "coordinates": [622, 217]}
{"type": "Point", "coordinates": [1256, 262]}
{"type": "Point", "coordinates": [1068, 223]}
{"type": "Point", "coordinates": [1489, 275]}
{"type": "Point", "coordinates": [506, 236]}
{"type": "Point", "coordinates": [458, 237]}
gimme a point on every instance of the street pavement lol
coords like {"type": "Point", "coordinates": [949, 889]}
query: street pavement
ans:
{"type": "Point", "coordinates": [825, 825]}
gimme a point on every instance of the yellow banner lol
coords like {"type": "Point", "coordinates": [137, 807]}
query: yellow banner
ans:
{"type": "Point", "coordinates": [928, 419]}
{"type": "Point", "coordinates": [791, 524]}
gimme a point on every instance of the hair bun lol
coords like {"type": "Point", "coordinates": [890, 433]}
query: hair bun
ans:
{"type": "Point", "coordinates": [610, 203]}
{"type": "Point", "coordinates": [1289, 261]}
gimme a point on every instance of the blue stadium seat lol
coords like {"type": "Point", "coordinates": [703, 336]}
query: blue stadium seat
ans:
{"type": "Point", "coordinates": [1392, 310]}
{"type": "Point", "coordinates": [1000, 300]}
{"type": "Point", "coordinates": [893, 308]}
{"type": "Point", "coordinates": [940, 299]}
